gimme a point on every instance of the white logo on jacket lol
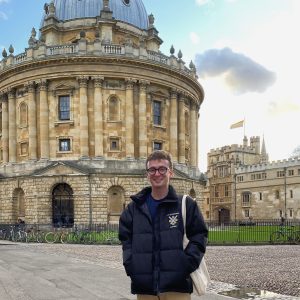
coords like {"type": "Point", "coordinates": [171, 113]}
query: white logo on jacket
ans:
{"type": "Point", "coordinates": [173, 220]}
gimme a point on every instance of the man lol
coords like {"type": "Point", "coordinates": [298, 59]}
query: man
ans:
{"type": "Point", "coordinates": [151, 232]}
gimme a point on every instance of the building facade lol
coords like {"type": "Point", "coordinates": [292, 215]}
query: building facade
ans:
{"type": "Point", "coordinates": [82, 108]}
{"type": "Point", "coordinates": [243, 185]}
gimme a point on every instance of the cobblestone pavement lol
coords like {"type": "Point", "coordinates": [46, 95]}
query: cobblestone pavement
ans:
{"type": "Point", "coordinates": [270, 268]}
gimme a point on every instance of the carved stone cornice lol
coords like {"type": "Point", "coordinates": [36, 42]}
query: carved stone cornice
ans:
{"type": "Point", "coordinates": [83, 81]}
{"type": "Point", "coordinates": [98, 81]}
{"type": "Point", "coordinates": [173, 93]}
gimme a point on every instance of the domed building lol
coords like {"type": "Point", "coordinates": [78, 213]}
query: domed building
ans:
{"type": "Point", "coordinates": [82, 108]}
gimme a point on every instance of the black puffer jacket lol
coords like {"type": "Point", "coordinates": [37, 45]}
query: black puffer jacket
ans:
{"type": "Point", "coordinates": [153, 254]}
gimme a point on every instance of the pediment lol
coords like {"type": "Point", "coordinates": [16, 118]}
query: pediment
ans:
{"type": "Point", "coordinates": [160, 93]}
{"type": "Point", "coordinates": [63, 88]}
{"type": "Point", "coordinates": [60, 168]}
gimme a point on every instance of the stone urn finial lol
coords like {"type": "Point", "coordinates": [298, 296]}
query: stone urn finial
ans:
{"type": "Point", "coordinates": [172, 50]}
{"type": "Point", "coordinates": [11, 49]}
{"type": "Point", "coordinates": [151, 20]}
{"type": "Point", "coordinates": [179, 54]}
{"type": "Point", "coordinates": [33, 32]}
{"type": "Point", "coordinates": [4, 53]}
{"type": "Point", "coordinates": [82, 34]}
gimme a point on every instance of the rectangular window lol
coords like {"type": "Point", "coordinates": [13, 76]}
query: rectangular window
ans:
{"type": "Point", "coordinates": [247, 213]}
{"type": "Point", "coordinates": [277, 194]}
{"type": "Point", "coordinates": [264, 175]}
{"type": "Point", "coordinates": [240, 178]}
{"type": "Point", "coordinates": [114, 144]}
{"type": "Point", "coordinates": [291, 194]}
{"type": "Point", "coordinates": [252, 176]}
{"type": "Point", "coordinates": [260, 195]}
{"type": "Point", "coordinates": [291, 213]}
{"type": "Point", "coordinates": [298, 171]}
{"type": "Point", "coordinates": [64, 145]}
{"type": "Point", "coordinates": [291, 172]}
{"type": "Point", "coordinates": [64, 108]}
{"type": "Point", "coordinates": [246, 199]}
{"type": "Point", "coordinates": [280, 213]}
{"type": "Point", "coordinates": [280, 173]}
{"type": "Point", "coordinates": [207, 200]}
{"type": "Point", "coordinates": [226, 191]}
{"type": "Point", "coordinates": [157, 146]}
{"type": "Point", "coordinates": [156, 112]}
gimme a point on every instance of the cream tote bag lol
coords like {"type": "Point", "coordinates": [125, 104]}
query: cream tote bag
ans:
{"type": "Point", "coordinates": [200, 277]}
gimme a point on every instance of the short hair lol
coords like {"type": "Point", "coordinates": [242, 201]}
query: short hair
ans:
{"type": "Point", "coordinates": [160, 154]}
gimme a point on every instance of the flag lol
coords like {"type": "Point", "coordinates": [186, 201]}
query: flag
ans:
{"type": "Point", "coordinates": [237, 124]}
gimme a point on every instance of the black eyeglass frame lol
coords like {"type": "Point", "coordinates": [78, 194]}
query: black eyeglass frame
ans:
{"type": "Point", "coordinates": [161, 170]}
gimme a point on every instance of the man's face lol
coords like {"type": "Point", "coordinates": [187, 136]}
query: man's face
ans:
{"type": "Point", "coordinates": [159, 173]}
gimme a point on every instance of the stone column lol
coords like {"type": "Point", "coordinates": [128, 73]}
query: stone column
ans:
{"type": "Point", "coordinates": [32, 120]}
{"type": "Point", "coordinates": [98, 115]}
{"type": "Point", "coordinates": [142, 119]}
{"type": "Point", "coordinates": [44, 120]}
{"type": "Point", "coordinates": [174, 126]}
{"type": "Point", "coordinates": [181, 128]}
{"type": "Point", "coordinates": [12, 129]}
{"type": "Point", "coordinates": [4, 129]}
{"type": "Point", "coordinates": [84, 134]}
{"type": "Point", "coordinates": [193, 135]}
{"type": "Point", "coordinates": [129, 120]}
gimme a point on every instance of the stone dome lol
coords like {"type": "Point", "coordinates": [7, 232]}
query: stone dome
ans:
{"type": "Point", "coordinates": [129, 11]}
{"type": "Point", "coordinates": [296, 152]}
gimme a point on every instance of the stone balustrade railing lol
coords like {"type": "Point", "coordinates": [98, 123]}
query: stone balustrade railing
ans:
{"type": "Point", "coordinates": [42, 52]}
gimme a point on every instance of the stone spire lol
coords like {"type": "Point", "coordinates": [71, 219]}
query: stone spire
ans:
{"type": "Point", "coordinates": [264, 157]}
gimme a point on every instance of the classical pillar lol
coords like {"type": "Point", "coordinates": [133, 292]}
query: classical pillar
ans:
{"type": "Point", "coordinates": [142, 119]}
{"type": "Point", "coordinates": [4, 129]}
{"type": "Point", "coordinates": [32, 120]}
{"type": "Point", "coordinates": [193, 135]}
{"type": "Point", "coordinates": [129, 120]}
{"type": "Point", "coordinates": [181, 133]}
{"type": "Point", "coordinates": [197, 132]}
{"type": "Point", "coordinates": [44, 120]}
{"type": "Point", "coordinates": [174, 126]}
{"type": "Point", "coordinates": [12, 129]}
{"type": "Point", "coordinates": [98, 115]}
{"type": "Point", "coordinates": [84, 134]}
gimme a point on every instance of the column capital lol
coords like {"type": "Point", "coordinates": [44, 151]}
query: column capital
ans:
{"type": "Point", "coordinates": [144, 84]}
{"type": "Point", "coordinates": [42, 84]}
{"type": "Point", "coordinates": [130, 82]}
{"type": "Point", "coordinates": [30, 86]}
{"type": "Point", "coordinates": [98, 80]}
{"type": "Point", "coordinates": [83, 80]}
{"type": "Point", "coordinates": [3, 96]}
{"type": "Point", "coordinates": [11, 92]}
{"type": "Point", "coordinates": [173, 93]}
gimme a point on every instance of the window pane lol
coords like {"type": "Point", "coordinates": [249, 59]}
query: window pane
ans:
{"type": "Point", "coordinates": [64, 107]}
{"type": "Point", "coordinates": [157, 112]}
{"type": "Point", "coordinates": [64, 145]}
{"type": "Point", "coordinates": [157, 146]}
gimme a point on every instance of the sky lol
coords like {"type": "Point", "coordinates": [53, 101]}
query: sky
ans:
{"type": "Point", "coordinates": [247, 59]}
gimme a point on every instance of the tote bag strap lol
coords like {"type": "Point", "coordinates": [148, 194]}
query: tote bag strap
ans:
{"type": "Point", "coordinates": [183, 211]}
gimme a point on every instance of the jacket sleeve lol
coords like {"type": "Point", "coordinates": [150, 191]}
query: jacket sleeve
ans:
{"type": "Point", "coordinates": [197, 234]}
{"type": "Point", "coordinates": [125, 236]}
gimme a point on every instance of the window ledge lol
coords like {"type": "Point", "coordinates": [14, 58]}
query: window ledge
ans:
{"type": "Point", "coordinates": [159, 127]}
{"type": "Point", "coordinates": [57, 123]}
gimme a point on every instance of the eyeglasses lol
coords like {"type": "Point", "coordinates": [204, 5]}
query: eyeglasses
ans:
{"type": "Point", "coordinates": [161, 170]}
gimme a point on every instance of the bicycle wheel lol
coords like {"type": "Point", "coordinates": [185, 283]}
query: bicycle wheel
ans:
{"type": "Point", "coordinates": [64, 237]}
{"type": "Point", "coordinates": [51, 237]}
{"type": "Point", "coordinates": [276, 237]}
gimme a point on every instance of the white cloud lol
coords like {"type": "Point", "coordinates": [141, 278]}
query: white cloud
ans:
{"type": "Point", "coordinates": [4, 1]}
{"type": "Point", "coordinates": [3, 15]}
{"type": "Point", "coordinates": [194, 37]}
{"type": "Point", "coordinates": [203, 2]}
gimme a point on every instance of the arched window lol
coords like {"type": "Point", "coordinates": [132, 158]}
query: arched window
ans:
{"type": "Point", "coordinates": [116, 201]}
{"type": "Point", "coordinates": [113, 109]}
{"type": "Point", "coordinates": [62, 205]}
{"type": "Point", "coordinates": [23, 114]}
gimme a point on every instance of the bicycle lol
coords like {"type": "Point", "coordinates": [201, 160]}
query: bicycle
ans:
{"type": "Point", "coordinates": [77, 236]}
{"type": "Point", "coordinates": [52, 237]}
{"type": "Point", "coordinates": [284, 235]}
{"type": "Point", "coordinates": [35, 236]}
